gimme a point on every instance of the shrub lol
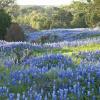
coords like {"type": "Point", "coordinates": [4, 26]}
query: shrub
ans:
{"type": "Point", "coordinates": [5, 21]}
{"type": "Point", "coordinates": [15, 33]}
{"type": "Point", "coordinates": [98, 24]}
{"type": "Point", "coordinates": [79, 21]}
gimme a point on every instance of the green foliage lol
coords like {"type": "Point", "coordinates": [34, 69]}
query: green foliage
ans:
{"type": "Point", "coordinates": [79, 21]}
{"type": "Point", "coordinates": [93, 13]}
{"type": "Point", "coordinates": [5, 21]}
{"type": "Point", "coordinates": [6, 3]}
{"type": "Point", "coordinates": [79, 14]}
{"type": "Point", "coordinates": [39, 20]}
{"type": "Point", "coordinates": [63, 18]}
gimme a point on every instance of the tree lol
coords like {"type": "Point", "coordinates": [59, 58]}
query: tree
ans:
{"type": "Point", "coordinates": [5, 21]}
{"type": "Point", "coordinates": [93, 12]}
{"type": "Point", "coordinates": [6, 3]}
{"type": "Point", "coordinates": [79, 21]}
{"type": "Point", "coordinates": [62, 18]}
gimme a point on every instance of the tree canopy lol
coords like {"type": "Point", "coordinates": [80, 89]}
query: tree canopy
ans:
{"type": "Point", "coordinates": [5, 21]}
{"type": "Point", "coordinates": [78, 14]}
{"type": "Point", "coordinates": [6, 3]}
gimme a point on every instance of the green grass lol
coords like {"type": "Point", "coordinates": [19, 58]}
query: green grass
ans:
{"type": "Point", "coordinates": [73, 51]}
{"type": "Point", "coordinates": [69, 51]}
{"type": "Point", "coordinates": [89, 47]}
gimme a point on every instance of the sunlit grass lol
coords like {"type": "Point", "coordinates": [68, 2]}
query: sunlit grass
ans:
{"type": "Point", "coordinates": [89, 47]}
{"type": "Point", "coordinates": [69, 51]}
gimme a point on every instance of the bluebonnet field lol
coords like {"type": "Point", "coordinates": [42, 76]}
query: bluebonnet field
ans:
{"type": "Point", "coordinates": [68, 69]}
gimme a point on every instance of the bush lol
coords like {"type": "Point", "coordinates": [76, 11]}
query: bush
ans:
{"type": "Point", "coordinates": [98, 24]}
{"type": "Point", "coordinates": [5, 21]}
{"type": "Point", "coordinates": [79, 21]}
{"type": "Point", "coordinates": [15, 33]}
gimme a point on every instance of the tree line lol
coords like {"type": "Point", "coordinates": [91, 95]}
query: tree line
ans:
{"type": "Point", "coordinates": [78, 14]}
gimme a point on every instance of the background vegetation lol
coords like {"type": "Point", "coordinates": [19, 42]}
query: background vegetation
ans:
{"type": "Point", "coordinates": [79, 14]}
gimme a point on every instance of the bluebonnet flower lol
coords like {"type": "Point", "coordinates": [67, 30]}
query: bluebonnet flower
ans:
{"type": "Point", "coordinates": [75, 88]}
{"type": "Point", "coordinates": [88, 93]}
{"type": "Point", "coordinates": [89, 85]}
{"type": "Point", "coordinates": [8, 64]}
{"type": "Point", "coordinates": [94, 97]}
{"type": "Point", "coordinates": [65, 93]}
{"type": "Point", "coordinates": [11, 96]}
{"type": "Point", "coordinates": [18, 96]}
{"type": "Point", "coordinates": [99, 89]}
{"type": "Point", "coordinates": [45, 98]}
{"type": "Point", "coordinates": [69, 80]}
{"type": "Point", "coordinates": [54, 97]}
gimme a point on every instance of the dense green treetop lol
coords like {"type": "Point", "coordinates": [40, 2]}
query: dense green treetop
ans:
{"type": "Point", "coordinates": [6, 3]}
